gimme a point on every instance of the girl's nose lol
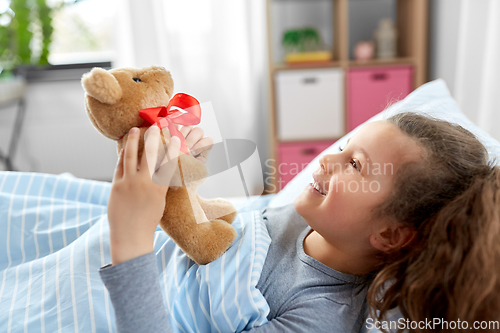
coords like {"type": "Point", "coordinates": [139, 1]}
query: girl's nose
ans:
{"type": "Point", "coordinates": [328, 163]}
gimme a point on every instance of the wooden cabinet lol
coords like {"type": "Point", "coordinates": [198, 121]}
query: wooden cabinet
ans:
{"type": "Point", "coordinates": [318, 102]}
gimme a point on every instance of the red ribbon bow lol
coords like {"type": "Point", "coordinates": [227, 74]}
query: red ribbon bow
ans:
{"type": "Point", "coordinates": [168, 117]}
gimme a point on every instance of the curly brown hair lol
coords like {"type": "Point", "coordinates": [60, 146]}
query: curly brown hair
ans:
{"type": "Point", "coordinates": [451, 198]}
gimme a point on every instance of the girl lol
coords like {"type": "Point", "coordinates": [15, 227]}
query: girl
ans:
{"type": "Point", "coordinates": [406, 214]}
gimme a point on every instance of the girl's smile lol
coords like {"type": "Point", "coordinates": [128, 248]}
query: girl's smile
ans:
{"type": "Point", "coordinates": [318, 186]}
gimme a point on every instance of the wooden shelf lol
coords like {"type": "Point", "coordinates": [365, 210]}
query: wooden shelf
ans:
{"type": "Point", "coordinates": [307, 65]}
{"type": "Point", "coordinates": [345, 64]}
{"type": "Point", "coordinates": [381, 62]}
{"type": "Point", "coordinates": [411, 21]}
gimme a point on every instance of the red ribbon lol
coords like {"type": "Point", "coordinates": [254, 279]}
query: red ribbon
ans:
{"type": "Point", "coordinates": [168, 117]}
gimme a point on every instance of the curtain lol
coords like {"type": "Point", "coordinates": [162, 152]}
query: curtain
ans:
{"type": "Point", "coordinates": [216, 51]}
{"type": "Point", "coordinates": [477, 70]}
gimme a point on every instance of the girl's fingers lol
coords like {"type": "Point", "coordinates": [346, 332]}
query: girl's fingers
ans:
{"type": "Point", "coordinates": [185, 130]}
{"type": "Point", "coordinates": [169, 164]}
{"type": "Point", "coordinates": [119, 167]}
{"type": "Point", "coordinates": [166, 134]}
{"type": "Point", "coordinates": [131, 147]}
{"type": "Point", "coordinates": [150, 155]}
{"type": "Point", "coordinates": [173, 150]}
{"type": "Point", "coordinates": [204, 144]}
{"type": "Point", "coordinates": [194, 136]}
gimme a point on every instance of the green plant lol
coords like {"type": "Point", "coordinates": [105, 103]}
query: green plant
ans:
{"type": "Point", "coordinates": [44, 15]}
{"type": "Point", "coordinates": [25, 38]}
{"type": "Point", "coordinates": [20, 30]}
{"type": "Point", "coordinates": [291, 41]}
{"type": "Point", "coordinates": [301, 40]}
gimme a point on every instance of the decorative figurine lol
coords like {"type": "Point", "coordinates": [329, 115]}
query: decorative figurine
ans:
{"type": "Point", "coordinates": [385, 36]}
{"type": "Point", "coordinates": [364, 51]}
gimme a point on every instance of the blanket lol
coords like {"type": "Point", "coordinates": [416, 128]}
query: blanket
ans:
{"type": "Point", "coordinates": [54, 236]}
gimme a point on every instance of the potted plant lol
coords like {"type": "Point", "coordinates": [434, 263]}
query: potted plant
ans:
{"type": "Point", "coordinates": [25, 37]}
{"type": "Point", "coordinates": [304, 45]}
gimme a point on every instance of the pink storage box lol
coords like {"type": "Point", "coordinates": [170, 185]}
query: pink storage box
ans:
{"type": "Point", "coordinates": [371, 90]}
{"type": "Point", "coordinates": [295, 156]}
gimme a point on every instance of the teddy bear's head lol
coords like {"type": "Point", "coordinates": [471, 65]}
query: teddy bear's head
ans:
{"type": "Point", "coordinates": [113, 100]}
{"type": "Point", "coordinates": [115, 97]}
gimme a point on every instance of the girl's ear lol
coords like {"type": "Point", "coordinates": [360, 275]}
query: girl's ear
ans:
{"type": "Point", "coordinates": [392, 237]}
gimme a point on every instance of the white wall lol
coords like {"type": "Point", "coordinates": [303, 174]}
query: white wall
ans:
{"type": "Point", "coordinates": [57, 136]}
{"type": "Point", "coordinates": [443, 43]}
{"type": "Point", "coordinates": [465, 48]}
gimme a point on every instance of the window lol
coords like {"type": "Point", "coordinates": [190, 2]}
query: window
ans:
{"type": "Point", "coordinates": [83, 31]}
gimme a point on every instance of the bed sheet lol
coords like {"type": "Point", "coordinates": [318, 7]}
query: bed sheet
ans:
{"type": "Point", "coordinates": [54, 237]}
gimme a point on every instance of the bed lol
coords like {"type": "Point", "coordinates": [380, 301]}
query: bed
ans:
{"type": "Point", "coordinates": [53, 239]}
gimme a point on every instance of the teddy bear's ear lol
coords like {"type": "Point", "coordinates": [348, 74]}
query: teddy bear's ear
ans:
{"type": "Point", "coordinates": [101, 85]}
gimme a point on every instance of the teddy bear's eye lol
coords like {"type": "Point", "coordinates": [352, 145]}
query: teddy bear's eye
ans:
{"type": "Point", "coordinates": [136, 79]}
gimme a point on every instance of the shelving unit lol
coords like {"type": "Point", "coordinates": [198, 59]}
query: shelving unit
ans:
{"type": "Point", "coordinates": [332, 19]}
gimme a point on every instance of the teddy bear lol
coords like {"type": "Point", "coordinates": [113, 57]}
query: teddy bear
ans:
{"type": "Point", "coordinates": [115, 101]}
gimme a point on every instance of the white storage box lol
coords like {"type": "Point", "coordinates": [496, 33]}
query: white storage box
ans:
{"type": "Point", "coordinates": [310, 104]}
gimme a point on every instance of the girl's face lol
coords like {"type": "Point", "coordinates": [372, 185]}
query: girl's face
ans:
{"type": "Point", "coordinates": [349, 185]}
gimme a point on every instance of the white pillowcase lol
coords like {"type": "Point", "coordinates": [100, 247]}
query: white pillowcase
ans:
{"type": "Point", "coordinates": [433, 99]}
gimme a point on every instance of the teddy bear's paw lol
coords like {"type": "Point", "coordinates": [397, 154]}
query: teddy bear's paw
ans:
{"type": "Point", "coordinates": [210, 241]}
{"type": "Point", "coordinates": [218, 209]}
{"type": "Point", "coordinates": [229, 218]}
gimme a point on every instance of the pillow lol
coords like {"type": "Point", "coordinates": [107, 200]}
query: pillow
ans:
{"type": "Point", "coordinates": [432, 98]}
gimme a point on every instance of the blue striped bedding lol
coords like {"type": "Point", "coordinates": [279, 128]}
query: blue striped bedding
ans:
{"type": "Point", "coordinates": [54, 237]}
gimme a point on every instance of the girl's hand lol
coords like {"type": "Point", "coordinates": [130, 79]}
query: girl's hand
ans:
{"type": "Point", "coordinates": [198, 145]}
{"type": "Point", "coordinates": [136, 203]}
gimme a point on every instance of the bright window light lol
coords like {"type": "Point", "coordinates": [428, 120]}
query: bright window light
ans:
{"type": "Point", "coordinates": [83, 31]}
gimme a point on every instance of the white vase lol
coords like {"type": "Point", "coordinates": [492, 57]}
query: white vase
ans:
{"type": "Point", "coordinates": [386, 35]}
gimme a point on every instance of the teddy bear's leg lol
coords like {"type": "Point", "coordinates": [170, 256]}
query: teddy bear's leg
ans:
{"type": "Point", "coordinates": [218, 209]}
{"type": "Point", "coordinates": [202, 242]}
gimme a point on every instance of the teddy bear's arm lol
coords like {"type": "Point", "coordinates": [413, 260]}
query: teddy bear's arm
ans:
{"type": "Point", "coordinates": [218, 209]}
{"type": "Point", "coordinates": [202, 242]}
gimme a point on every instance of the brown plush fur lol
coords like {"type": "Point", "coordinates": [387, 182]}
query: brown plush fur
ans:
{"type": "Point", "coordinates": [113, 99]}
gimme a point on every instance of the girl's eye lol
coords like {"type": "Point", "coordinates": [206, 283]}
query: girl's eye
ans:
{"type": "Point", "coordinates": [136, 79]}
{"type": "Point", "coordinates": [355, 164]}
